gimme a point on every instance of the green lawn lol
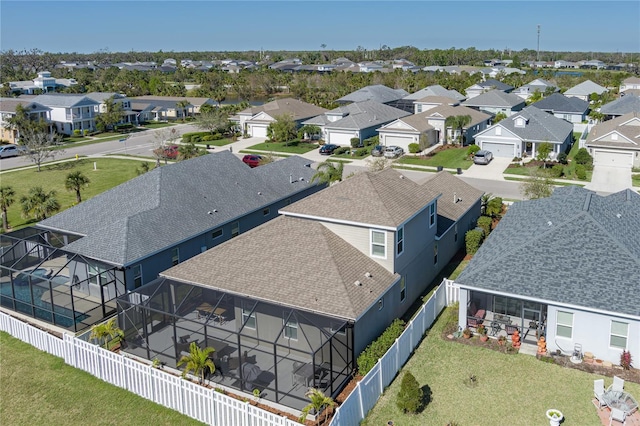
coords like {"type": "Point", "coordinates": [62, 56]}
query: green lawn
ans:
{"type": "Point", "coordinates": [157, 125]}
{"type": "Point", "coordinates": [38, 388]}
{"type": "Point", "coordinates": [110, 172]}
{"type": "Point", "coordinates": [635, 179]}
{"type": "Point", "coordinates": [510, 389]}
{"type": "Point", "coordinates": [219, 142]}
{"type": "Point", "coordinates": [449, 159]}
{"type": "Point", "coordinates": [292, 147]}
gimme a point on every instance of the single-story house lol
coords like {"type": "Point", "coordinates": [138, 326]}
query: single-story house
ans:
{"type": "Point", "coordinates": [496, 101]}
{"type": "Point", "coordinates": [484, 86]}
{"type": "Point", "coordinates": [566, 267]}
{"type": "Point", "coordinates": [524, 131]}
{"type": "Point", "coordinates": [171, 107]}
{"type": "Point", "coordinates": [584, 90]}
{"type": "Point", "coordinates": [255, 120]}
{"type": "Point", "coordinates": [148, 111]}
{"type": "Point", "coordinates": [537, 85]}
{"type": "Point", "coordinates": [621, 106]}
{"type": "Point", "coordinates": [574, 110]}
{"type": "Point", "coordinates": [616, 142]}
{"type": "Point", "coordinates": [377, 92]}
{"type": "Point", "coordinates": [195, 102]}
{"type": "Point", "coordinates": [408, 102]}
{"type": "Point", "coordinates": [630, 83]}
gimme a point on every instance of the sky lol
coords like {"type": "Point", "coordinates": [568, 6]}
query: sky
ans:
{"type": "Point", "coordinates": [140, 25]}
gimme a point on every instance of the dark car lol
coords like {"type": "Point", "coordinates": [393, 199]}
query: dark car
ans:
{"type": "Point", "coordinates": [169, 152]}
{"type": "Point", "coordinates": [328, 149]}
{"type": "Point", "coordinates": [378, 151]}
{"type": "Point", "coordinates": [252, 160]}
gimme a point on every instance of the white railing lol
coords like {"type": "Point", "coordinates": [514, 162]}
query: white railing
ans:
{"type": "Point", "coordinates": [366, 393]}
{"type": "Point", "coordinates": [186, 397]}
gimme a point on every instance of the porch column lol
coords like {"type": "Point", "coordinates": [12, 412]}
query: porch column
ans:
{"type": "Point", "coordinates": [462, 310]}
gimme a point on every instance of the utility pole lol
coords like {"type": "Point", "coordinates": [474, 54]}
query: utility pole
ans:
{"type": "Point", "coordinates": [538, 55]}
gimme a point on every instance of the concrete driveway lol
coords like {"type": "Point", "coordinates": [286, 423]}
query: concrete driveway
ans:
{"type": "Point", "coordinates": [492, 171]}
{"type": "Point", "coordinates": [609, 179]}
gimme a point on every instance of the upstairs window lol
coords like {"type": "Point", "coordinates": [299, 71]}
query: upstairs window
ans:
{"type": "Point", "coordinates": [400, 241]}
{"type": "Point", "coordinates": [378, 244]}
{"type": "Point", "coordinates": [432, 214]}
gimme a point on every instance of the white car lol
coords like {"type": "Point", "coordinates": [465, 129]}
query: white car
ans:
{"type": "Point", "coordinates": [393, 152]}
{"type": "Point", "coordinates": [11, 151]}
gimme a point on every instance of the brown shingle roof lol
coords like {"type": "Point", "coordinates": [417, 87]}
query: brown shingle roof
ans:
{"type": "Point", "coordinates": [385, 199]}
{"type": "Point", "coordinates": [294, 262]}
{"type": "Point", "coordinates": [288, 106]}
{"type": "Point", "coordinates": [629, 131]}
{"type": "Point", "coordinates": [448, 185]}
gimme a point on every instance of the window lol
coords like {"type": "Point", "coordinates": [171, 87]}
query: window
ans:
{"type": "Point", "coordinates": [498, 131]}
{"type": "Point", "coordinates": [217, 233]}
{"type": "Point", "coordinates": [265, 212]}
{"type": "Point", "coordinates": [235, 229]}
{"type": "Point", "coordinates": [455, 233]}
{"type": "Point", "coordinates": [137, 276]}
{"type": "Point", "coordinates": [339, 329]}
{"type": "Point", "coordinates": [291, 328]}
{"type": "Point", "coordinates": [619, 333]}
{"type": "Point", "coordinates": [175, 256]}
{"type": "Point", "coordinates": [432, 214]}
{"type": "Point", "coordinates": [400, 241]}
{"type": "Point", "coordinates": [96, 275]}
{"type": "Point", "coordinates": [380, 304]}
{"type": "Point", "coordinates": [248, 318]}
{"type": "Point", "coordinates": [564, 324]}
{"type": "Point", "coordinates": [614, 136]}
{"type": "Point", "coordinates": [435, 253]}
{"type": "Point", "coordinates": [403, 289]}
{"type": "Point", "coordinates": [378, 243]}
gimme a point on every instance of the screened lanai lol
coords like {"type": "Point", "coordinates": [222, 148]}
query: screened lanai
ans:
{"type": "Point", "coordinates": [278, 349]}
{"type": "Point", "coordinates": [40, 279]}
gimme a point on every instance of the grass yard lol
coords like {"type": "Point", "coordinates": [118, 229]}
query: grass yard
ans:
{"type": "Point", "coordinates": [291, 148]}
{"type": "Point", "coordinates": [110, 172]}
{"type": "Point", "coordinates": [219, 142]}
{"type": "Point", "coordinates": [509, 390]}
{"type": "Point", "coordinates": [635, 179]}
{"type": "Point", "coordinates": [157, 125]}
{"type": "Point", "coordinates": [451, 158]}
{"type": "Point", "coordinates": [38, 388]}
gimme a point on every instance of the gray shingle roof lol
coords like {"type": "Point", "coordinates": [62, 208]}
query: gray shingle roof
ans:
{"type": "Point", "coordinates": [377, 92]}
{"type": "Point", "coordinates": [495, 84]}
{"type": "Point", "coordinates": [385, 199]}
{"type": "Point", "coordinates": [495, 98]}
{"type": "Point", "coordinates": [295, 262]}
{"type": "Point", "coordinates": [170, 204]}
{"type": "Point", "coordinates": [575, 247]}
{"type": "Point", "coordinates": [540, 126]}
{"type": "Point", "coordinates": [627, 103]}
{"type": "Point", "coordinates": [63, 100]}
{"type": "Point", "coordinates": [435, 90]}
{"type": "Point", "coordinates": [102, 96]}
{"type": "Point", "coordinates": [9, 105]}
{"type": "Point", "coordinates": [365, 114]}
{"type": "Point", "coordinates": [558, 103]}
{"type": "Point", "coordinates": [585, 89]}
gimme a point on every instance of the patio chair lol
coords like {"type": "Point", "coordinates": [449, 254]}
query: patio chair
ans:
{"type": "Point", "coordinates": [618, 384]}
{"type": "Point", "coordinates": [617, 415]}
{"type": "Point", "coordinates": [510, 329]}
{"type": "Point", "coordinates": [598, 392]}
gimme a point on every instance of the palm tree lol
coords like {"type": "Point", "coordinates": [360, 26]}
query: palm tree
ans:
{"type": "Point", "coordinates": [461, 122]}
{"type": "Point", "coordinates": [74, 182]}
{"type": "Point", "coordinates": [449, 122]}
{"type": "Point", "coordinates": [183, 106]}
{"type": "Point", "coordinates": [188, 150]}
{"type": "Point", "coordinates": [105, 331]}
{"type": "Point", "coordinates": [329, 173]}
{"type": "Point", "coordinates": [197, 361]}
{"type": "Point", "coordinates": [6, 200]}
{"type": "Point", "coordinates": [39, 204]}
{"type": "Point", "coordinates": [318, 401]}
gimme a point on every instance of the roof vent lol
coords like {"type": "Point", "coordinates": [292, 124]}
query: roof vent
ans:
{"type": "Point", "coordinates": [619, 216]}
{"type": "Point", "coordinates": [367, 274]}
{"type": "Point", "coordinates": [259, 193]}
{"type": "Point", "coordinates": [549, 223]}
{"type": "Point", "coordinates": [358, 283]}
{"type": "Point", "coordinates": [401, 176]}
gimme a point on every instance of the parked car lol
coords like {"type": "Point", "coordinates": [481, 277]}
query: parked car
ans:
{"type": "Point", "coordinates": [377, 151]}
{"type": "Point", "coordinates": [12, 151]}
{"type": "Point", "coordinates": [252, 160]}
{"type": "Point", "coordinates": [328, 149]}
{"type": "Point", "coordinates": [169, 152]}
{"type": "Point", "coordinates": [483, 157]}
{"type": "Point", "coordinates": [393, 152]}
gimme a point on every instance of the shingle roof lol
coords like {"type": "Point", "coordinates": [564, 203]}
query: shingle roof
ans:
{"type": "Point", "coordinates": [384, 198]}
{"type": "Point", "coordinates": [496, 84]}
{"type": "Point", "coordinates": [495, 98]}
{"type": "Point", "coordinates": [193, 100]}
{"type": "Point", "coordinates": [449, 111]}
{"type": "Point", "coordinates": [628, 126]}
{"type": "Point", "coordinates": [170, 204]}
{"type": "Point", "coordinates": [558, 103]}
{"type": "Point", "coordinates": [102, 96]}
{"type": "Point", "coordinates": [63, 100]}
{"type": "Point", "coordinates": [627, 103]}
{"type": "Point", "coordinates": [377, 92]}
{"type": "Point", "coordinates": [585, 89]}
{"type": "Point", "coordinates": [362, 115]}
{"type": "Point", "coordinates": [435, 90]}
{"type": "Point", "coordinates": [293, 262]}
{"type": "Point", "coordinates": [574, 247]}
{"type": "Point", "coordinates": [540, 126]}
{"type": "Point", "coordinates": [9, 105]}
{"type": "Point", "coordinates": [298, 109]}
{"type": "Point", "coordinates": [442, 100]}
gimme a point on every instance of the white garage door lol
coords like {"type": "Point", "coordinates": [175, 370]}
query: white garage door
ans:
{"type": "Point", "coordinates": [258, 131]}
{"type": "Point", "coordinates": [401, 141]}
{"type": "Point", "coordinates": [340, 138]}
{"type": "Point", "coordinates": [613, 159]}
{"type": "Point", "coordinates": [504, 150]}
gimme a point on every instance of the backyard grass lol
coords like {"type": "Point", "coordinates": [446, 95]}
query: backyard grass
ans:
{"type": "Point", "coordinates": [451, 158]}
{"type": "Point", "coordinates": [509, 389]}
{"type": "Point", "coordinates": [38, 388]}
{"type": "Point", "coordinates": [635, 179]}
{"type": "Point", "coordinates": [292, 147]}
{"type": "Point", "coordinates": [110, 172]}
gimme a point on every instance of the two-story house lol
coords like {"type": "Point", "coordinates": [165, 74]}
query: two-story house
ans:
{"type": "Point", "coordinates": [538, 85]}
{"type": "Point", "coordinates": [495, 102]}
{"type": "Point", "coordinates": [70, 112]}
{"type": "Point", "coordinates": [484, 86]}
{"type": "Point", "coordinates": [291, 304]}
{"type": "Point", "coordinates": [128, 116]}
{"type": "Point", "coordinates": [8, 108]}
{"type": "Point", "coordinates": [43, 83]}
{"type": "Point", "coordinates": [572, 109]}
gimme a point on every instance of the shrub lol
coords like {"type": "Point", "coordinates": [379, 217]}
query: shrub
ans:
{"type": "Point", "coordinates": [195, 139]}
{"type": "Point", "coordinates": [76, 132]}
{"type": "Point", "coordinates": [562, 158]}
{"type": "Point", "coordinates": [581, 172]}
{"type": "Point", "coordinates": [557, 170]}
{"type": "Point", "coordinates": [355, 142]}
{"type": "Point", "coordinates": [472, 149]}
{"type": "Point", "coordinates": [472, 240]}
{"type": "Point", "coordinates": [484, 222]}
{"type": "Point", "coordinates": [362, 152]}
{"type": "Point", "coordinates": [342, 150]}
{"type": "Point", "coordinates": [207, 138]}
{"type": "Point", "coordinates": [85, 132]}
{"type": "Point", "coordinates": [368, 358]}
{"type": "Point", "coordinates": [625, 360]}
{"type": "Point", "coordinates": [372, 141]}
{"type": "Point", "coordinates": [410, 395]}
{"type": "Point", "coordinates": [583, 157]}
{"type": "Point", "coordinates": [414, 148]}
{"type": "Point", "coordinates": [216, 136]}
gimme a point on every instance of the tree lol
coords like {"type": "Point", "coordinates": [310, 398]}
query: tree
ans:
{"type": "Point", "coordinates": [538, 185]}
{"type": "Point", "coordinates": [39, 204]}
{"type": "Point", "coordinates": [105, 331]}
{"type": "Point", "coordinates": [543, 151]}
{"type": "Point", "coordinates": [499, 117]}
{"type": "Point", "coordinates": [490, 205]}
{"type": "Point", "coordinates": [282, 130]}
{"type": "Point", "coordinates": [214, 120]}
{"type": "Point", "coordinates": [7, 195]}
{"type": "Point", "coordinates": [318, 401]}
{"type": "Point", "coordinates": [328, 173]}
{"type": "Point", "coordinates": [377, 164]}
{"type": "Point", "coordinates": [583, 157]}
{"type": "Point", "coordinates": [22, 121]}
{"type": "Point", "coordinates": [189, 150]}
{"type": "Point", "coordinates": [410, 395]}
{"type": "Point", "coordinates": [197, 361]}
{"type": "Point", "coordinates": [162, 139]}
{"type": "Point", "coordinates": [113, 114]}
{"type": "Point", "coordinates": [182, 106]}
{"type": "Point", "coordinates": [74, 182]}
{"type": "Point", "coordinates": [449, 122]}
{"type": "Point", "coordinates": [461, 122]}
{"type": "Point", "coordinates": [40, 143]}
{"type": "Point", "coordinates": [308, 131]}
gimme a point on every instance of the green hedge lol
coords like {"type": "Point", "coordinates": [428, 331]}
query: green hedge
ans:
{"type": "Point", "coordinates": [342, 150]}
{"type": "Point", "coordinates": [472, 240]}
{"type": "Point", "coordinates": [414, 148]}
{"type": "Point", "coordinates": [194, 136]}
{"type": "Point", "coordinates": [372, 353]}
{"type": "Point", "coordinates": [581, 172]}
{"type": "Point", "coordinates": [484, 222]}
{"type": "Point", "coordinates": [372, 141]}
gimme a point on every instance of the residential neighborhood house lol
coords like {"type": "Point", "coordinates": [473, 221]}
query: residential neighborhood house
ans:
{"type": "Point", "coordinates": [574, 110]}
{"type": "Point", "coordinates": [255, 120]}
{"type": "Point", "coordinates": [8, 108]}
{"type": "Point", "coordinates": [537, 85]}
{"type": "Point", "coordinates": [43, 83]}
{"type": "Point", "coordinates": [484, 86]}
{"type": "Point", "coordinates": [584, 90]}
{"type": "Point", "coordinates": [495, 102]}
{"type": "Point", "coordinates": [616, 143]}
{"type": "Point", "coordinates": [70, 112]}
{"type": "Point", "coordinates": [621, 106]}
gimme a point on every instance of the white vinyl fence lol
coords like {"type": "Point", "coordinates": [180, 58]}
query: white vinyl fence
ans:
{"type": "Point", "coordinates": [186, 397]}
{"type": "Point", "coordinates": [368, 390]}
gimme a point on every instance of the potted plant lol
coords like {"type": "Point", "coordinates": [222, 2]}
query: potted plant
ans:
{"type": "Point", "coordinates": [502, 340]}
{"type": "Point", "coordinates": [554, 416]}
{"type": "Point", "coordinates": [482, 331]}
{"type": "Point", "coordinates": [466, 333]}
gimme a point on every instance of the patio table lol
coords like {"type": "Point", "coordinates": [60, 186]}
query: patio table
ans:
{"type": "Point", "coordinates": [620, 400]}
